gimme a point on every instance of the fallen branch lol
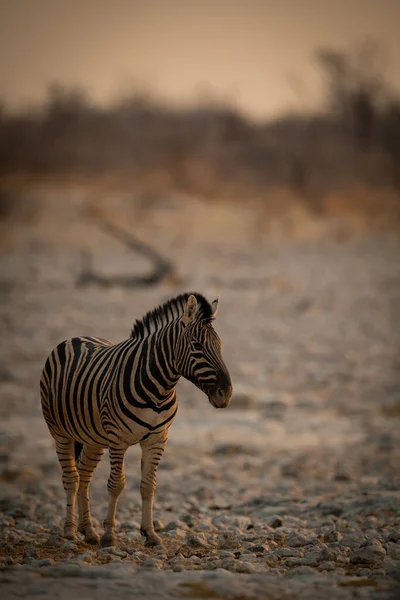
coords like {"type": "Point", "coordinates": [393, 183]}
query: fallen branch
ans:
{"type": "Point", "coordinates": [162, 267]}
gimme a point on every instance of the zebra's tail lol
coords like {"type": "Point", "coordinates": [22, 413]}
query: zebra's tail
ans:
{"type": "Point", "coordinates": [78, 447]}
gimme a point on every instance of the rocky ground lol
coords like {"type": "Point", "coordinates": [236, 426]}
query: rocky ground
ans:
{"type": "Point", "coordinates": [291, 492]}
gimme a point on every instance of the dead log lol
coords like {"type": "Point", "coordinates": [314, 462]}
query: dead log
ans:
{"type": "Point", "coordinates": [161, 267]}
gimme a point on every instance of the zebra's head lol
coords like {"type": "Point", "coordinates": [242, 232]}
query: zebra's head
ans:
{"type": "Point", "coordinates": [199, 357]}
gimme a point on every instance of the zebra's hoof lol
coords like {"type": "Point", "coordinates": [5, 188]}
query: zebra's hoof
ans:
{"type": "Point", "coordinates": [70, 535]}
{"type": "Point", "coordinates": [92, 539]}
{"type": "Point", "coordinates": [153, 540]}
{"type": "Point", "coordinates": [107, 540]}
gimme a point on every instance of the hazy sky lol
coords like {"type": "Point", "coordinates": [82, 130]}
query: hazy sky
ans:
{"type": "Point", "coordinates": [245, 50]}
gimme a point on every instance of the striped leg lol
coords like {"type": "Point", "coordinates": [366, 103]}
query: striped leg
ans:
{"type": "Point", "coordinates": [88, 461]}
{"type": "Point", "coordinates": [70, 478]}
{"type": "Point", "coordinates": [116, 484]}
{"type": "Point", "coordinates": [152, 451]}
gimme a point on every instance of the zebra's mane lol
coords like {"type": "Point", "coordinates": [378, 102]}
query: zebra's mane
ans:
{"type": "Point", "coordinates": [170, 311]}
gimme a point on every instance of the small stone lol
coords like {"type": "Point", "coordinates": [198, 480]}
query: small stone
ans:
{"type": "Point", "coordinates": [85, 557]}
{"type": "Point", "coordinates": [294, 562]}
{"type": "Point", "coordinates": [129, 525]}
{"type": "Point", "coordinates": [112, 550]}
{"type": "Point", "coordinates": [228, 541]}
{"type": "Point", "coordinates": [393, 536]}
{"type": "Point", "coordinates": [158, 525]}
{"type": "Point", "coordinates": [54, 541]}
{"type": "Point", "coordinates": [369, 553]}
{"type": "Point", "coordinates": [295, 540]}
{"type": "Point", "coordinates": [245, 567]}
{"type": "Point", "coordinates": [176, 534]}
{"type": "Point", "coordinates": [225, 554]}
{"type": "Point", "coordinates": [196, 540]}
{"type": "Point", "coordinates": [139, 556]}
{"type": "Point", "coordinates": [330, 508]}
{"type": "Point", "coordinates": [318, 554]}
{"type": "Point", "coordinates": [342, 476]}
{"type": "Point", "coordinates": [69, 545]}
{"type": "Point", "coordinates": [393, 550]}
{"type": "Point", "coordinates": [331, 536]}
{"type": "Point", "coordinates": [279, 536]}
{"type": "Point", "coordinates": [152, 563]}
{"type": "Point", "coordinates": [258, 548]}
{"type": "Point", "coordinates": [133, 536]}
{"type": "Point", "coordinates": [45, 562]}
{"type": "Point", "coordinates": [188, 519]}
{"type": "Point", "coordinates": [352, 539]}
{"type": "Point", "coordinates": [284, 552]}
{"type": "Point", "coordinates": [175, 525]}
{"type": "Point", "coordinates": [276, 522]}
{"type": "Point", "coordinates": [206, 526]}
{"type": "Point", "coordinates": [30, 552]}
{"type": "Point", "coordinates": [302, 571]}
{"type": "Point", "coordinates": [177, 568]}
{"type": "Point", "coordinates": [328, 565]}
{"type": "Point", "coordinates": [195, 559]}
{"type": "Point", "coordinates": [228, 564]}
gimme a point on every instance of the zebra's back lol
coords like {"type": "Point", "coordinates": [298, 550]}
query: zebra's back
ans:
{"type": "Point", "coordinates": [71, 389]}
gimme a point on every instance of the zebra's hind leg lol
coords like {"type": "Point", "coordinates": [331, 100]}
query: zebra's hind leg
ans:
{"type": "Point", "coordinates": [70, 478]}
{"type": "Point", "coordinates": [87, 463]}
{"type": "Point", "coordinates": [116, 484]}
{"type": "Point", "coordinates": [152, 451]}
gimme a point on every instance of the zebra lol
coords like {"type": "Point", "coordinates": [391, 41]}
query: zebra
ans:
{"type": "Point", "coordinates": [97, 395]}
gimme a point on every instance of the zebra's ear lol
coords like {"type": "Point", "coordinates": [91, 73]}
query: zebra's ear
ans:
{"type": "Point", "coordinates": [214, 307]}
{"type": "Point", "coordinates": [190, 310]}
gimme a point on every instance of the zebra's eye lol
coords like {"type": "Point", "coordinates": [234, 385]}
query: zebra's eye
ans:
{"type": "Point", "coordinates": [197, 346]}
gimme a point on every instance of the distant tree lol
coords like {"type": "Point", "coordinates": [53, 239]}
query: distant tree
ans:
{"type": "Point", "coordinates": [355, 88]}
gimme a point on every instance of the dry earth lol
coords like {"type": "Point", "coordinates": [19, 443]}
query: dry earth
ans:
{"type": "Point", "coordinates": [291, 492]}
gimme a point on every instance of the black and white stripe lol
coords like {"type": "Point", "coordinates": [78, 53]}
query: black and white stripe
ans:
{"type": "Point", "coordinates": [97, 395]}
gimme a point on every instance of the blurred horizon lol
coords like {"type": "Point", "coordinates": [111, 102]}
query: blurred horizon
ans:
{"type": "Point", "coordinates": [257, 56]}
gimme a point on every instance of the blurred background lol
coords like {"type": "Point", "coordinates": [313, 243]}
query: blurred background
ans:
{"type": "Point", "coordinates": [249, 149]}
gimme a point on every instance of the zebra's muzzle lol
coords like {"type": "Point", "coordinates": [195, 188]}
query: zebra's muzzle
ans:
{"type": "Point", "coordinates": [220, 395]}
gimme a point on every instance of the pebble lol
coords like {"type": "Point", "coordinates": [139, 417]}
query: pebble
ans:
{"type": "Point", "coordinates": [176, 525]}
{"type": "Point", "coordinates": [30, 552]}
{"type": "Point", "coordinates": [176, 534]}
{"type": "Point", "coordinates": [133, 536]}
{"type": "Point", "coordinates": [332, 536]}
{"type": "Point", "coordinates": [295, 539]}
{"type": "Point", "coordinates": [328, 565]}
{"type": "Point", "coordinates": [113, 551]}
{"type": "Point", "coordinates": [198, 540]}
{"type": "Point", "coordinates": [85, 557]}
{"type": "Point", "coordinates": [259, 548]}
{"type": "Point", "coordinates": [369, 553]}
{"type": "Point", "coordinates": [54, 541]}
{"type": "Point", "coordinates": [245, 567]}
{"type": "Point", "coordinates": [69, 545]}
{"type": "Point", "coordinates": [276, 522]}
{"type": "Point", "coordinates": [46, 562]}
{"type": "Point", "coordinates": [152, 563]}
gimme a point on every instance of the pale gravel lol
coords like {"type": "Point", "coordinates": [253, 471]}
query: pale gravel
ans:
{"type": "Point", "coordinates": [293, 491]}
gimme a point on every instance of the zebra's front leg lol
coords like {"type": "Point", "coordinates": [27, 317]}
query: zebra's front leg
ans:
{"type": "Point", "coordinates": [70, 478]}
{"type": "Point", "coordinates": [152, 451]}
{"type": "Point", "coordinates": [88, 461]}
{"type": "Point", "coordinates": [115, 486]}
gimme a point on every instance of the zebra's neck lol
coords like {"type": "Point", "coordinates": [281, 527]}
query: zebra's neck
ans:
{"type": "Point", "coordinates": [154, 374]}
